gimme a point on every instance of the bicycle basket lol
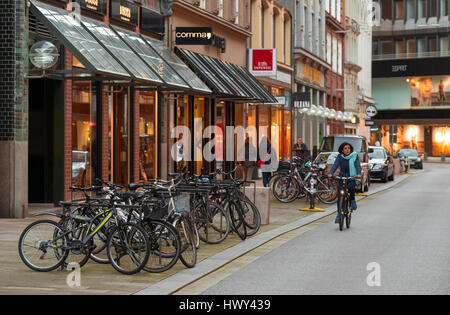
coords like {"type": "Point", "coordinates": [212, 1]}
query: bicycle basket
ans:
{"type": "Point", "coordinates": [155, 210]}
{"type": "Point", "coordinates": [183, 202]}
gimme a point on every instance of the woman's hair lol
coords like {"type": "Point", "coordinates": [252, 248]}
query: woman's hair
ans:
{"type": "Point", "coordinates": [341, 147]}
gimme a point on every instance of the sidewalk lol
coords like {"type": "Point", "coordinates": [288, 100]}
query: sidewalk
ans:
{"type": "Point", "coordinates": [16, 278]}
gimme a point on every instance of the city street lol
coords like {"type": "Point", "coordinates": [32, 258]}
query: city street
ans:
{"type": "Point", "coordinates": [403, 233]}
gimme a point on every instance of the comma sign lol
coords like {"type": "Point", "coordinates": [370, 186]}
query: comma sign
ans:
{"type": "Point", "coordinates": [193, 36]}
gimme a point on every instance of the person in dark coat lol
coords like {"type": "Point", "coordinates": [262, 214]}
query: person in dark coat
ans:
{"type": "Point", "coordinates": [349, 165]}
{"type": "Point", "coordinates": [266, 159]}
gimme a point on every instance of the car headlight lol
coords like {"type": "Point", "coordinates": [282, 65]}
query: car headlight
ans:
{"type": "Point", "coordinates": [377, 167]}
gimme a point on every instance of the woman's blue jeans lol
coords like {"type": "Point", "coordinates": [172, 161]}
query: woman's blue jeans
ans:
{"type": "Point", "coordinates": [266, 178]}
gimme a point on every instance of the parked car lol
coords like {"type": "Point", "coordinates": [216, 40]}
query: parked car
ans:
{"type": "Point", "coordinates": [381, 164]}
{"type": "Point", "coordinates": [414, 158]}
{"type": "Point", "coordinates": [329, 151]}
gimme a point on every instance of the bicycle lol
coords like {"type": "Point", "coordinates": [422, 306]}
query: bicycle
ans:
{"type": "Point", "coordinates": [345, 201]}
{"type": "Point", "coordinates": [308, 181]}
{"type": "Point", "coordinates": [127, 246]}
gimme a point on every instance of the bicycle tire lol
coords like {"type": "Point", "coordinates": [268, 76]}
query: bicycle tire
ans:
{"type": "Point", "coordinates": [83, 257]}
{"type": "Point", "coordinates": [188, 253]}
{"type": "Point", "coordinates": [164, 245]}
{"type": "Point", "coordinates": [128, 232]}
{"type": "Point", "coordinates": [212, 222]}
{"type": "Point", "coordinates": [60, 257]}
{"type": "Point", "coordinates": [237, 219]}
{"type": "Point", "coordinates": [342, 214]}
{"type": "Point", "coordinates": [348, 217]}
{"type": "Point", "coordinates": [285, 189]}
{"type": "Point", "coordinates": [252, 217]}
{"type": "Point", "coordinates": [327, 197]}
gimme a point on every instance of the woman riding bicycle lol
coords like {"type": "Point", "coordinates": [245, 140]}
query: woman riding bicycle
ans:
{"type": "Point", "coordinates": [349, 165]}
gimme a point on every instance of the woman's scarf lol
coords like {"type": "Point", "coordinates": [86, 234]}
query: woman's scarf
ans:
{"type": "Point", "coordinates": [351, 158]}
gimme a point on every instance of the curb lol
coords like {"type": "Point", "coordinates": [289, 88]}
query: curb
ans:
{"type": "Point", "coordinates": [187, 276]}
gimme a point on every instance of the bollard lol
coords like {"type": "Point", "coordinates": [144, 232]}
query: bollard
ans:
{"type": "Point", "coordinates": [442, 157]}
{"type": "Point", "coordinates": [425, 156]}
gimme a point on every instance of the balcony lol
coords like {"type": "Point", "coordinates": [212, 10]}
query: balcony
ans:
{"type": "Point", "coordinates": [433, 54]}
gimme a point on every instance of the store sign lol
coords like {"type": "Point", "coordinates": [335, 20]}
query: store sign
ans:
{"type": "Point", "coordinates": [281, 100]}
{"type": "Point", "coordinates": [370, 122]}
{"type": "Point", "coordinates": [193, 36]}
{"type": "Point", "coordinates": [152, 21]}
{"type": "Point", "coordinates": [98, 6]}
{"type": "Point", "coordinates": [199, 36]}
{"type": "Point", "coordinates": [124, 11]}
{"type": "Point", "coordinates": [263, 62]}
{"type": "Point", "coordinates": [301, 99]}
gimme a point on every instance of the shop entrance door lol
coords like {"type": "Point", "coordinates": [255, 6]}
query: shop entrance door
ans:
{"type": "Point", "coordinates": [119, 110]}
{"type": "Point", "coordinates": [46, 141]}
{"type": "Point", "coordinates": [428, 140]}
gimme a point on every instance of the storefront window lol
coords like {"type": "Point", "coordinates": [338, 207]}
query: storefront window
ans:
{"type": "Point", "coordinates": [276, 131]}
{"type": "Point", "coordinates": [82, 135]}
{"type": "Point", "coordinates": [147, 136]}
{"type": "Point", "coordinates": [287, 134]}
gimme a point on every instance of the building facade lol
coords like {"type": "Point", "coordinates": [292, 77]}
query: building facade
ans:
{"type": "Point", "coordinates": [411, 76]}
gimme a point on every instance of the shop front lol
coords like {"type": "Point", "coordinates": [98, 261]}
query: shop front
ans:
{"type": "Point", "coordinates": [101, 102]}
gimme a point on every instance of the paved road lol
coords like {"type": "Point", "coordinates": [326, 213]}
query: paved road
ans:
{"type": "Point", "coordinates": [405, 231]}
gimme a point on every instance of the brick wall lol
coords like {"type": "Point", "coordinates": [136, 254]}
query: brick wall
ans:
{"type": "Point", "coordinates": [67, 129]}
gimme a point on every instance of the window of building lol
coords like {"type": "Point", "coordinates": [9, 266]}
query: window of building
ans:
{"type": "Point", "coordinates": [220, 8]}
{"type": "Point", "coordinates": [83, 123]}
{"type": "Point", "coordinates": [421, 46]}
{"type": "Point", "coordinates": [399, 9]}
{"type": "Point", "coordinates": [444, 8]}
{"type": "Point", "coordinates": [433, 8]}
{"type": "Point", "coordinates": [236, 11]}
{"type": "Point", "coordinates": [375, 48]}
{"type": "Point", "coordinates": [339, 58]}
{"type": "Point", "coordinates": [421, 9]}
{"type": "Point", "coordinates": [334, 56]}
{"type": "Point", "coordinates": [152, 4]}
{"type": "Point", "coordinates": [327, 6]}
{"type": "Point", "coordinates": [333, 8]}
{"type": "Point", "coordinates": [329, 48]}
{"type": "Point", "coordinates": [386, 10]}
{"type": "Point", "coordinates": [203, 4]}
{"type": "Point", "coordinates": [411, 46]}
{"type": "Point", "coordinates": [399, 47]}
{"type": "Point", "coordinates": [410, 9]}
{"type": "Point", "coordinates": [147, 136]}
{"type": "Point", "coordinates": [387, 47]}
{"type": "Point", "coordinates": [432, 44]}
{"type": "Point", "coordinates": [338, 10]}
{"type": "Point", "coordinates": [443, 44]}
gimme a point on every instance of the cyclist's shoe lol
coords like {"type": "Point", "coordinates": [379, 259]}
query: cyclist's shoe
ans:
{"type": "Point", "coordinates": [354, 206]}
{"type": "Point", "coordinates": [337, 220]}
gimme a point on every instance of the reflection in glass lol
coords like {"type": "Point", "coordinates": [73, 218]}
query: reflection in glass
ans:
{"type": "Point", "coordinates": [146, 136]}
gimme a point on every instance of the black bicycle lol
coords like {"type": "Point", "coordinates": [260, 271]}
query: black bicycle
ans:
{"type": "Point", "coordinates": [345, 202]}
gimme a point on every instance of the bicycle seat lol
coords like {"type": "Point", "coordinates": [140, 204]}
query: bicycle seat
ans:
{"type": "Point", "coordinates": [134, 186]}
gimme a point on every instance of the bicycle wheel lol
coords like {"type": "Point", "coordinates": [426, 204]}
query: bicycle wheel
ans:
{"type": "Point", "coordinates": [188, 254]}
{"type": "Point", "coordinates": [285, 189]}
{"type": "Point", "coordinates": [328, 190]}
{"type": "Point", "coordinates": [99, 254]}
{"type": "Point", "coordinates": [79, 252]}
{"type": "Point", "coordinates": [212, 223]}
{"type": "Point", "coordinates": [164, 245]}
{"type": "Point", "coordinates": [348, 218]}
{"type": "Point", "coordinates": [252, 216]}
{"type": "Point", "coordinates": [343, 204]}
{"type": "Point", "coordinates": [43, 245]}
{"type": "Point", "coordinates": [128, 248]}
{"type": "Point", "coordinates": [237, 219]}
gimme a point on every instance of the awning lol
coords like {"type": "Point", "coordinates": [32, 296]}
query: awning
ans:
{"type": "Point", "coordinates": [118, 53]}
{"type": "Point", "coordinates": [225, 79]}
{"type": "Point", "coordinates": [78, 41]}
{"type": "Point", "coordinates": [178, 65]}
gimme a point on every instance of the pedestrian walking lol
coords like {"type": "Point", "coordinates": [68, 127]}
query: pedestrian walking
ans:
{"type": "Point", "coordinates": [249, 164]}
{"type": "Point", "coordinates": [269, 154]}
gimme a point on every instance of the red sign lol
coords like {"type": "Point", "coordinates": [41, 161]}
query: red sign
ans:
{"type": "Point", "coordinates": [263, 62]}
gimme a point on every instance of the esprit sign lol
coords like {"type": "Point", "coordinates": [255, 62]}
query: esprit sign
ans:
{"type": "Point", "coordinates": [263, 62]}
{"type": "Point", "coordinates": [193, 36]}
